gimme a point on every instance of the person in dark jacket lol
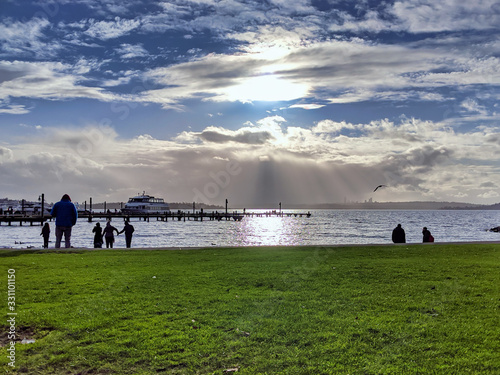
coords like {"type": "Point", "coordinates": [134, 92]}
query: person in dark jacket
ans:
{"type": "Point", "coordinates": [46, 234]}
{"type": "Point", "coordinates": [398, 235]}
{"type": "Point", "coordinates": [426, 235]}
{"type": "Point", "coordinates": [109, 235]}
{"type": "Point", "coordinates": [128, 229]}
{"type": "Point", "coordinates": [97, 236]}
{"type": "Point", "coordinates": [66, 215]}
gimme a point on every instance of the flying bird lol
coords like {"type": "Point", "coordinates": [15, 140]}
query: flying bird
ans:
{"type": "Point", "coordinates": [379, 187]}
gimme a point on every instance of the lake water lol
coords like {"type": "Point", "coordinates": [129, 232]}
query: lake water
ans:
{"type": "Point", "coordinates": [324, 227]}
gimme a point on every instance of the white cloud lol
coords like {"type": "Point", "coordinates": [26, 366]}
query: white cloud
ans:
{"type": "Point", "coordinates": [434, 16]}
{"type": "Point", "coordinates": [471, 105]}
{"type": "Point", "coordinates": [490, 194]}
{"type": "Point", "coordinates": [371, 22]}
{"type": "Point", "coordinates": [6, 154]}
{"type": "Point", "coordinates": [46, 80]}
{"type": "Point", "coordinates": [16, 32]}
{"type": "Point", "coordinates": [337, 71]}
{"type": "Point", "coordinates": [27, 39]}
{"type": "Point", "coordinates": [14, 109]}
{"type": "Point", "coordinates": [307, 106]}
{"type": "Point", "coordinates": [286, 61]}
{"type": "Point", "coordinates": [111, 29]}
{"type": "Point", "coordinates": [130, 51]}
{"type": "Point", "coordinates": [329, 126]}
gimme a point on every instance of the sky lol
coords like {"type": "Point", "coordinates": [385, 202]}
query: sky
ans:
{"type": "Point", "coordinates": [257, 102]}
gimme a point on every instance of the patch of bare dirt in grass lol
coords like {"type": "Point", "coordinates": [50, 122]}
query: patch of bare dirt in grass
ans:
{"type": "Point", "coordinates": [23, 335]}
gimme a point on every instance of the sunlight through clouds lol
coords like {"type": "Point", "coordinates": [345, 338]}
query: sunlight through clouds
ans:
{"type": "Point", "coordinates": [264, 88]}
{"type": "Point", "coordinates": [277, 161]}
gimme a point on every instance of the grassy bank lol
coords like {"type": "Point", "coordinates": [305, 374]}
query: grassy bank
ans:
{"type": "Point", "coordinates": [311, 310]}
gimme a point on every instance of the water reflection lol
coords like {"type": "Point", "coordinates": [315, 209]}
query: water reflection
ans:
{"type": "Point", "coordinates": [269, 231]}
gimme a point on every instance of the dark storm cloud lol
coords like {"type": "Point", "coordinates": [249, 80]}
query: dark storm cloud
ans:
{"type": "Point", "coordinates": [409, 168]}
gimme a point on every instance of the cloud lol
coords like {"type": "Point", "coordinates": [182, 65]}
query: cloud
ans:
{"type": "Point", "coordinates": [246, 136]}
{"type": "Point", "coordinates": [419, 16]}
{"type": "Point", "coordinates": [416, 159]}
{"type": "Point", "coordinates": [105, 30]}
{"type": "Point", "coordinates": [27, 39]}
{"type": "Point", "coordinates": [450, 15]}
{"type": "Point", "coordinates": [342, 72]}
{"type": "Point", "coordinates": [47, 80]}
{"type": "Point", "coordinates": [471, 105]}
{"type": "Point", "coordinates": [329, 126]}
{"type": "Point", "coordinates": [6, 154]}
{"type": "Point", "coordinates": [14, 109]}
{"type": "Point", "coordinates": [307, 106]}
{"type": "Point", "coordinates": [129, 51]}
{"type": "Point", "coordinates": [292, 59]}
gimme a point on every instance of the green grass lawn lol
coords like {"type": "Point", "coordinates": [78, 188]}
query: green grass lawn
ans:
{"type": "Point", "coordinates": [398, 309]}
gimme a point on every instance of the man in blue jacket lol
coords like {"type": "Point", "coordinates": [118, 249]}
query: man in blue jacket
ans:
{"type": "Point", "coordinates": [65, 213]}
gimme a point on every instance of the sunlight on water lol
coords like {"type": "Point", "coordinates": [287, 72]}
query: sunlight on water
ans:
{"type": "Point", "coordinates": [268, 231]}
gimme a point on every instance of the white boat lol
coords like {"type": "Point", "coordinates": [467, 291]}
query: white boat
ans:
{"type": "Point", "coordinates": [23, 207]}
{"type": "Point", "coordinates": [145, 204]}
{"type": "Point", "coordinates": [28, 208]}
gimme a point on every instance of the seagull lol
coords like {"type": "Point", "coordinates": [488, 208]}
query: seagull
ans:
{"type": "Point", "coordinates": [379, 187]}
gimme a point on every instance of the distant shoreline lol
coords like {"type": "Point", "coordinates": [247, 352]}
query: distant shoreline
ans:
{"type": "Point", "coordinates": [417, 205]}
{"type": "Point", "coordinates": [400, 206]}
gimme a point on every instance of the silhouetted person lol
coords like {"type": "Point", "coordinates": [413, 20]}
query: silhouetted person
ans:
{"type": "Point", "coordinates": [65, 213]}
{"type": "Point", "coordinates": [398, 235]}
{"type": "Point", "coordinates": [97, 236]}
{"type": "Point", "coordinates": [427, 236]}
{"type": "Point", "coordinates": [128, 229]}
{"type": "Point", "coordinates": [108, 234]}
{"type": "Point", "coordinates": [46, 234]}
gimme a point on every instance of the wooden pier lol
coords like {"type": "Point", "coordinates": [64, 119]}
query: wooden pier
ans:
{"type": "Point", "coordinates": [175, 216]}
{"type": "Point", "coordinates": [189, 216]}
{"type": "Point", "coordinates": [24, 218]}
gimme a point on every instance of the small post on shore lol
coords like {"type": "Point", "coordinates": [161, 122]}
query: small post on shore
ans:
{"type": "Point", "coordinates": [280, 208]}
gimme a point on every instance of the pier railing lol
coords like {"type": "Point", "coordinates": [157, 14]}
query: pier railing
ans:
{"type": "Point", "coordinates": [187, 216]}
